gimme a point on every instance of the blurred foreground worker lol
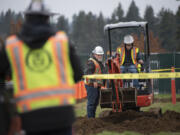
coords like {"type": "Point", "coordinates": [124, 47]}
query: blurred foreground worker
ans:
{"type": "Point", "coordinates": [44, 69]}
{"type": "Point", "coordinates": [5, 96]}
{"type": "Point", "coordinates": [94, 66]}
{"type": "Point", "coordinates": [130, 57]}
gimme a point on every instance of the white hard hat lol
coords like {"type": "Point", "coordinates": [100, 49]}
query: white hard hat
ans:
{"type": "Point", "coordinates": [128, 39]}
{"type": "Point", "coordinates": [37, 7]}
{"type": "Point", "coordinates": [98, 50]}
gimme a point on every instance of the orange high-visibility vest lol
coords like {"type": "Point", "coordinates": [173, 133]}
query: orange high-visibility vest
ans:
{"type": "Point", "coordinates": [122, 53]}
{"type": "Point", "coordinates": [42, 77]}
{"type": "Point", "coordinates": [97, 71]}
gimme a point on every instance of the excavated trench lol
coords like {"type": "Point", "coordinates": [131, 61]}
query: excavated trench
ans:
{"type": "Point", "coordinates": [142, 122]}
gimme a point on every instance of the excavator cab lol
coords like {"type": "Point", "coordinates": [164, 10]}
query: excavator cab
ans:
{"type": "Point", "coordinates": [118, 95]}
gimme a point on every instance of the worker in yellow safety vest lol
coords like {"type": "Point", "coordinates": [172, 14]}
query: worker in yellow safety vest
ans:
{"type": "Point", "coordinates": [129, 58]}
{"type": "Point", "coordinates": [44, 69]}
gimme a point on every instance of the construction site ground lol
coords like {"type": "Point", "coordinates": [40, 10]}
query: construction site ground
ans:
{"type": "Point", "coordinates": [143, 122]}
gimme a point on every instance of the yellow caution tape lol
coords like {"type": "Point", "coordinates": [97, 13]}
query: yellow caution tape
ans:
{"type": "Point", "coordinates": [135, 76]}
{"type": "Point", "coordinates": [159, 70]}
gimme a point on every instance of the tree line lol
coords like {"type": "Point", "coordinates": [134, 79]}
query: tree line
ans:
{"type": "Point", "coordinates": [87, 29]}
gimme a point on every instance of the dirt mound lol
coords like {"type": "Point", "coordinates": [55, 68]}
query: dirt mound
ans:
{"type": "Point", "coordinates": [143, 122]}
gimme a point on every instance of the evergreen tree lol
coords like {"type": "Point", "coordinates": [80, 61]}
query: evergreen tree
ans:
{"type": "Point", "coordinates": [87, 31]}
{"type": "Point", "coordinates": [133, 13]}
{"type": "Point", "coordinates": [19, 17]}
{"type": "Point", "coordinates": [80, 33]}
{"type": "Point", "coordinates": [118, 14]}
{"type": "Point", "coordinates": [63, 24]}
{"type": "Point", "coordinates": [151, 19]}
{"type": "Point", "coordinates": [1, 22]}
{"type": "Point", "coordinates": [100, 23]}
{"type": "Point", "coordinates": [8, 21]}
{"type": "Point", "coordinates": [178, 28]}
{"type": "Point", "coordinates": [2, 16]}
{"type": "Point", "coordinates": [167, 29]}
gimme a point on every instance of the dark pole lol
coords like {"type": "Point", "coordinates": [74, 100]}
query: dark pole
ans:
{"type": "Point", "coordinates": [147, 33]}
{"type": "Point", "coordinates": [109, 37]}
{"type": "Point", "coordinates": [148, 48]}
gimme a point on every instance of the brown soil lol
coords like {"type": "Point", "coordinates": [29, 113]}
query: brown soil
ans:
{"type": "Point", "coordinates": [142, 122]}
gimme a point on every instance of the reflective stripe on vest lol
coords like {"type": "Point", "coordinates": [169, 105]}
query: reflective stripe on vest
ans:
{"type": "Point", "coordinates": [122, 55]}
{"type": "Point", "coordinates": [97, 66]}
{"type": "Point", "coordinates": [61, 67]}
{"type": "Point", "coordinates": [97, 71]}
{"type": "Point", "coordinates": [16, 52]}
{"type": "Point", "coordinates": [11, 40]}
{"type": "Point", "coordinates": [134, 52]}
{"type": "Point", "coordinates": [50, 92]}
{"type": "Point", "coordinates": [60, 88]}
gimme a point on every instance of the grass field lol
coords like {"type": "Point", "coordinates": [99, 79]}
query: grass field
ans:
{"type": "Point", "coordinates": [165, 96]}
{"type": "Point", "coordinates": [80, 110]}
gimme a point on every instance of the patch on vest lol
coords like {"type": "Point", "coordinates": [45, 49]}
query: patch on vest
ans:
{"type": "Point", "coordinates": [38, 60]}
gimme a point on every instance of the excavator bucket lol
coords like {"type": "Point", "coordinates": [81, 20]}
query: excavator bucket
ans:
{"type": "Point", "coordinates": [106, 98]}
{"type": "Point", "coordinates": [127, 97]}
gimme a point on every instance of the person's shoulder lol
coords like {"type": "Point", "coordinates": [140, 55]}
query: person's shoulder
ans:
{"type": "Point", "coordinates": [121, 48]}
{"type": "Point", "coordinates": [93, 60]}
{"type": "Point", "coordinates": [90, 61]}
{"type": "Point", "coordinates": [137, 48]}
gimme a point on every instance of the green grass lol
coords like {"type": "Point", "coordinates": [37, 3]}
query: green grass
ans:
{"type": "Point", "coordinates": [164, 107]}
{"type": "Point", "coordinates": [165, 96]}
{"type": "Point", "coordinates": [80, 109]}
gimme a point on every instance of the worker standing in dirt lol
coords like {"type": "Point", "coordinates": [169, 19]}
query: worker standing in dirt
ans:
{"type": "Point", "coordinates": [129, 57]}
{"type": "Point", "coordinates": [44, 68]}
{"type": "Point", "coordinates": [94, 66]}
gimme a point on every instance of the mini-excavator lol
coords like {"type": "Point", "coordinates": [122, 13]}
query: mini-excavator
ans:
{"type": "Point", "coordinates": [117, 95]}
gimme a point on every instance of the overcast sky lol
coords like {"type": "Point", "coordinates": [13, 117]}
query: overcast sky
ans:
{"type": "Point", "coordinates": [70, 7]}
